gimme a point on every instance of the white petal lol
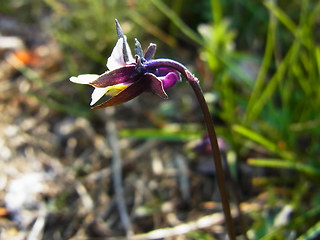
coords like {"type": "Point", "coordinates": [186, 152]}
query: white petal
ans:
{"type": "Point", "coordinates": [84, 78]}
{"type": "Point", "coordinates": [97, 94]}
{"type": "Point", "coordinates": [116, 60]}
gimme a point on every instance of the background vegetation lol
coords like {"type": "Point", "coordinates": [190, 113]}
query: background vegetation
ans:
{"type": "Point", "coordinates": [259, 66]}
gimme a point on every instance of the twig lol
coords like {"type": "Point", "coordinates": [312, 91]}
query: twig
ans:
{"type": "Point", "coordinates": [38, 227]}
{"type": "Point", "coordinates": [204, 222]}
{"type": "Point", "coordinates": [86, 200]}
{"type": "Point", "coordinates": [117, 172]}
{"type": "Point", "coordinates": [183, 177]}
{"type": "Point", "coordinates": [98, 175]}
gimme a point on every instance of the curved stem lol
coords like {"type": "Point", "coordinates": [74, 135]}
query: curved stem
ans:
{"type": "Point", "coordinates": [194, 82]}
{"type": "Point", "coordinates": [169, 63]}
{"type": "Point", "coordinates": [216, 157]}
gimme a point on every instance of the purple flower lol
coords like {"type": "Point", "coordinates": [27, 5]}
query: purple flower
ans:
{"type": "Point", "coordinates": [128, 77]}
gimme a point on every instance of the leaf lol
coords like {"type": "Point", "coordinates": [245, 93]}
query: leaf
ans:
{"type": "Point", "coordinates": [254, 136]}
{"type": "Point", "coordinates": [306, 169]}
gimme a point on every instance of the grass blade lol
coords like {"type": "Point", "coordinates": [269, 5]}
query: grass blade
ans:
{"type": "Point", "coordinates": [309, 171]}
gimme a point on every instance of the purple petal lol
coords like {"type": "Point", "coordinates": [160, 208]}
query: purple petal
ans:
{"type": "Point", "coordinates": [170, 79]}
{"type": "Point", "coordinates": [155, 85]}
{"type": "Point", "coordinates": [125, 95]}
{"type": "Point", "coordinates": [120, 75]}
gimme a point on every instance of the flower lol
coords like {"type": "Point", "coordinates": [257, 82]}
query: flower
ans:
{"type": "Point", "coordinates": [128, 77]}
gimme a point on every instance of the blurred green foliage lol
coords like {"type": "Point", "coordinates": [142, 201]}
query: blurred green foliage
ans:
{"type": "Point", "coordinates": [263, 59]}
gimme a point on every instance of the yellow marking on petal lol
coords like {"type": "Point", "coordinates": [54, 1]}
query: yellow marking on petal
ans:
{"type": "Point", "coordinates": [114, 90]}
{"type": "Point", "coordinates": [111, 91]}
